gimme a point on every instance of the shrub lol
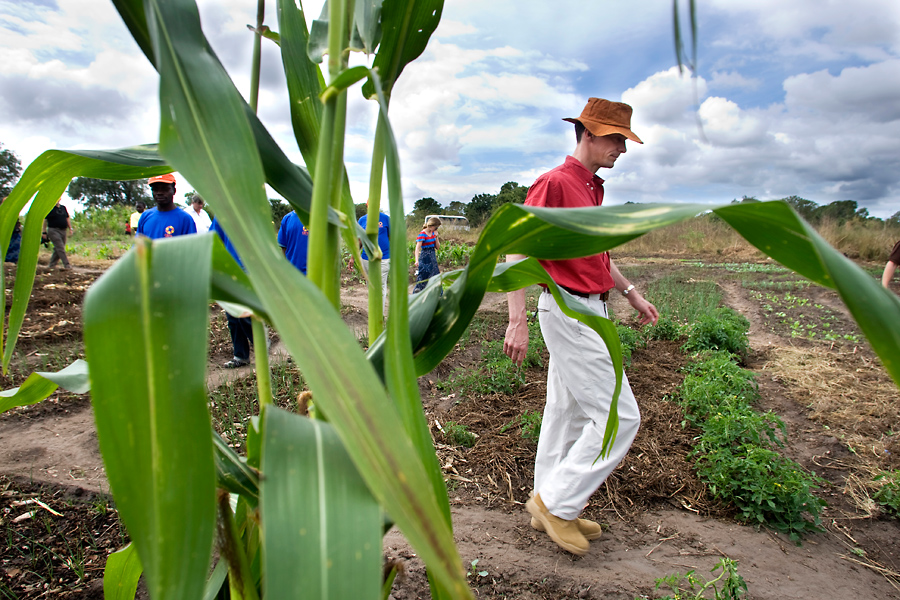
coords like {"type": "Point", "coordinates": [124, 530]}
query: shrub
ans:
{"type": "Point", "coordinates": [724, 329]}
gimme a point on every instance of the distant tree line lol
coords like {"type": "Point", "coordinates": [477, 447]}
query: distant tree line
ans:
{"type": "Point", "coordinates": [477, 210]}
{"type": "Point", "coordinates": [840, 211]}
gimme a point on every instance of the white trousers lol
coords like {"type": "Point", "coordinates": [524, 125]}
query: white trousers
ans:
{"type": "Point", "coordinates": [385, 269]}
{"type": "Point", "coordinates": [580, 384]}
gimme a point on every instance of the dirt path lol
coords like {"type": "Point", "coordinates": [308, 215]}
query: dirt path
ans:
{"type": "Point", "coordinates": [523, 563]}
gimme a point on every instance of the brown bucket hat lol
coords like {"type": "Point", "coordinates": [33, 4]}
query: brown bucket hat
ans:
{"type": "Point", "coordinates": [602, 117]}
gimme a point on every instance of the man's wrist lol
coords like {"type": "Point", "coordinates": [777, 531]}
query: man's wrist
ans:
{"type": "Point", "coordinates": [628, 290]}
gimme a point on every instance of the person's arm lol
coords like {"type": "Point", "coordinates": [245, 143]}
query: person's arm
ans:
{"type": "Point", "coordinates": [888, 274]}
{"type": "Point", "coordinates": [647, 311]}
{"type": "Point", "coordinates": [69, 224]}
{"type": "Point", "coordinates": [515, 343]}
{"type": "Point", "coordinates": [418, 250]}
{"type": "Point", "coordinates": [437, 241]}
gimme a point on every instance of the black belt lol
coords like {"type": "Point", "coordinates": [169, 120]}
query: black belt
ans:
{"type": "Point", "coordinates": [603, 296]}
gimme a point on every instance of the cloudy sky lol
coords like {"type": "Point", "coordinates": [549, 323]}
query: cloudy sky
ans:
{"type": "Point", "coordinates": [791, 98]}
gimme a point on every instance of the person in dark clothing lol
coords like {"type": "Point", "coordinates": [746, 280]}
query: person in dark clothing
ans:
{"type": "Point", "coordinates": [15, 241]}
{"type": "Point", "coordinates": [241, 328]}
{"type": "Point", "coordinates": [56, 226]}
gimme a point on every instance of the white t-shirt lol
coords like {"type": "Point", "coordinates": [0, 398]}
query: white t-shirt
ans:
{"type": "Point", "coordinates": [202, 220]}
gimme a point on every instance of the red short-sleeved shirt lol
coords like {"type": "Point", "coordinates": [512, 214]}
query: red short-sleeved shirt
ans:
{"type": "Point", "coordinates": [895, 254]}
{"type": "Point", "coordinates": [572, 185]}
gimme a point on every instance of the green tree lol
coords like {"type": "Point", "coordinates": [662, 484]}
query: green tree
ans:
{"type": "Point", "coordinates": [10, 169]}
{"type": "Point", "coordinates": [101, 193]}
{"type": "Point", "coordinates": [456, 208]}
{"type": "Point", "coordinates": [806, 208]}
{"type": "Point", "coordinates": [427, 206]}
{"type": "Point", "coordinates": [281, 208]}
{"type": "Point", "coordinates": [894, 219]}
{"type": "Point", "coordinates": [479, 209]}
{"type": "Point", "coordinates": [839, 210]}
{"type": "Point", "coordinates": [511, 192]}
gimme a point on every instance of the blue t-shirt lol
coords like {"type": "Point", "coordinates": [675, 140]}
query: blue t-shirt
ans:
{"type": "Point", "coordinates": [384, 234]}
{"type": "Point", "coordinates": [293, 236]}
{"type": "Point", "coordinates": [228, 245]}
{"type": "Point", "coordinates": [156, 225]}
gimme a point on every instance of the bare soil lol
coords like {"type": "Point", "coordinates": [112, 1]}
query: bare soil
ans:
{"type": "Point", "coordinates": [659, 516]}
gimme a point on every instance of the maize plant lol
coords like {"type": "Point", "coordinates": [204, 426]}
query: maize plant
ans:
{"type": "Point", "coordinates": [303, 513]}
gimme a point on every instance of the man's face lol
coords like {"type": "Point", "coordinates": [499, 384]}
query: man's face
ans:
{"type": "Point", "coordinates": [163, 195]}
{"type": "Point", "coordinates": [607, 148]}
{"type": "Point", "coordinates": [139, 207]}
{"type": "Point", "coordinates": [198, 205]}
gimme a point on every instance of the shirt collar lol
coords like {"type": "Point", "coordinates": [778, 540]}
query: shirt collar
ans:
{"type": "Point", "coordinates": [579, 170]}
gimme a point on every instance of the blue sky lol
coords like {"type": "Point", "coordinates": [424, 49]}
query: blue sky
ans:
{"type": "Point", "coordinates": [794, 98]}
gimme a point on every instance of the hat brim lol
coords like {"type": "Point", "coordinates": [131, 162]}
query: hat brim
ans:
{"type": "Point", "coordinates": [601, 129]}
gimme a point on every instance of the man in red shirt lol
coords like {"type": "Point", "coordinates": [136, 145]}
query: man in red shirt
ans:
{"type": "Point", "coordinates": [580, 379]}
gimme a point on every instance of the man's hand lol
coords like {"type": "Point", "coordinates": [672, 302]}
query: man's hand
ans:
{"type": "Point", "coordinates": [647, 311]}
{"type": "Point", "coordinates": [515, 344]}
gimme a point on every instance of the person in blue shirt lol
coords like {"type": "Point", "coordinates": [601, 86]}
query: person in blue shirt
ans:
{"type": "Point", "coordinates": [384, 242]}
{"type": "Point", "coordinates": [241, 328]}
{"type": "Point", "coordinates": [165, 220]}
{"type": "Point", "coordinates": [293, 237]}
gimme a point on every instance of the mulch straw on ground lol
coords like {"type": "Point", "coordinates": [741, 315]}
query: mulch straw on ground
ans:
{"type": "Point", "coordinates": [850, 393]}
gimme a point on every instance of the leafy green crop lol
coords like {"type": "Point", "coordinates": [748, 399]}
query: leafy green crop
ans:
{"type": "Point", "coordinates": [692, 586]}
{"type": "Point", "coordinates": [735, 455]}
{"type": "Point", "coordinates": [888, 495]}
{"type": "Point", "coordinates": [724, 329]}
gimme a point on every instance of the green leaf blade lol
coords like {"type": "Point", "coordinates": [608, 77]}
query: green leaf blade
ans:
{"type": "Point", "coordinates": [150, 406]}
{"type": "Point", "coordinates": [312, 497]}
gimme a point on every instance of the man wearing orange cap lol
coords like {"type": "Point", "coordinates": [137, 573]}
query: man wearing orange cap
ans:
{"type": "Point", "coordinates": [580, 379]}
{"type": "Point", "coordinates": [165, 220]}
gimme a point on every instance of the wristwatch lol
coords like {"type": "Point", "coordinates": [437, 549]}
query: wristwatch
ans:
{"type": "Point", "coordinates": [627, 290]}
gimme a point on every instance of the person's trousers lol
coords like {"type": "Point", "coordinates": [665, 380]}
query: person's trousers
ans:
{"type": "Point", "coordinates": [580, 385]}
{"type": "Point", "coordinates": [241, 334]}
{"type": "Point", "coordinates": [58, 238]}
{"type": "Point", "coordinates": [385, 269]}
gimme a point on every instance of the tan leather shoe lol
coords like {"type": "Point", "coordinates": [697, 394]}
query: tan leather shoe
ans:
{"type": "Point", "coordinates": [591, 530]}
{"type": "Point", "coordinates": [565, 533]}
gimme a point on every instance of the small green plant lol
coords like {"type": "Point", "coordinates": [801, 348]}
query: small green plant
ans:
{"type": "Point", "coordinates": [692, 586]}
{"type": "Point", "coordinates": [888, 495]}
{"type": "Point", "coordinates": [723, 329]}
{"type": "Point", "coordinates": [631, 341]}
{"type": "Point", "coordinates": [529, 423]}
{"type": "Point", "coordinates": [473, 571]}
{"type": "Point", "coordinates": [665, 329]}
{"type": "Point", "coordinates": [459, 435]}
